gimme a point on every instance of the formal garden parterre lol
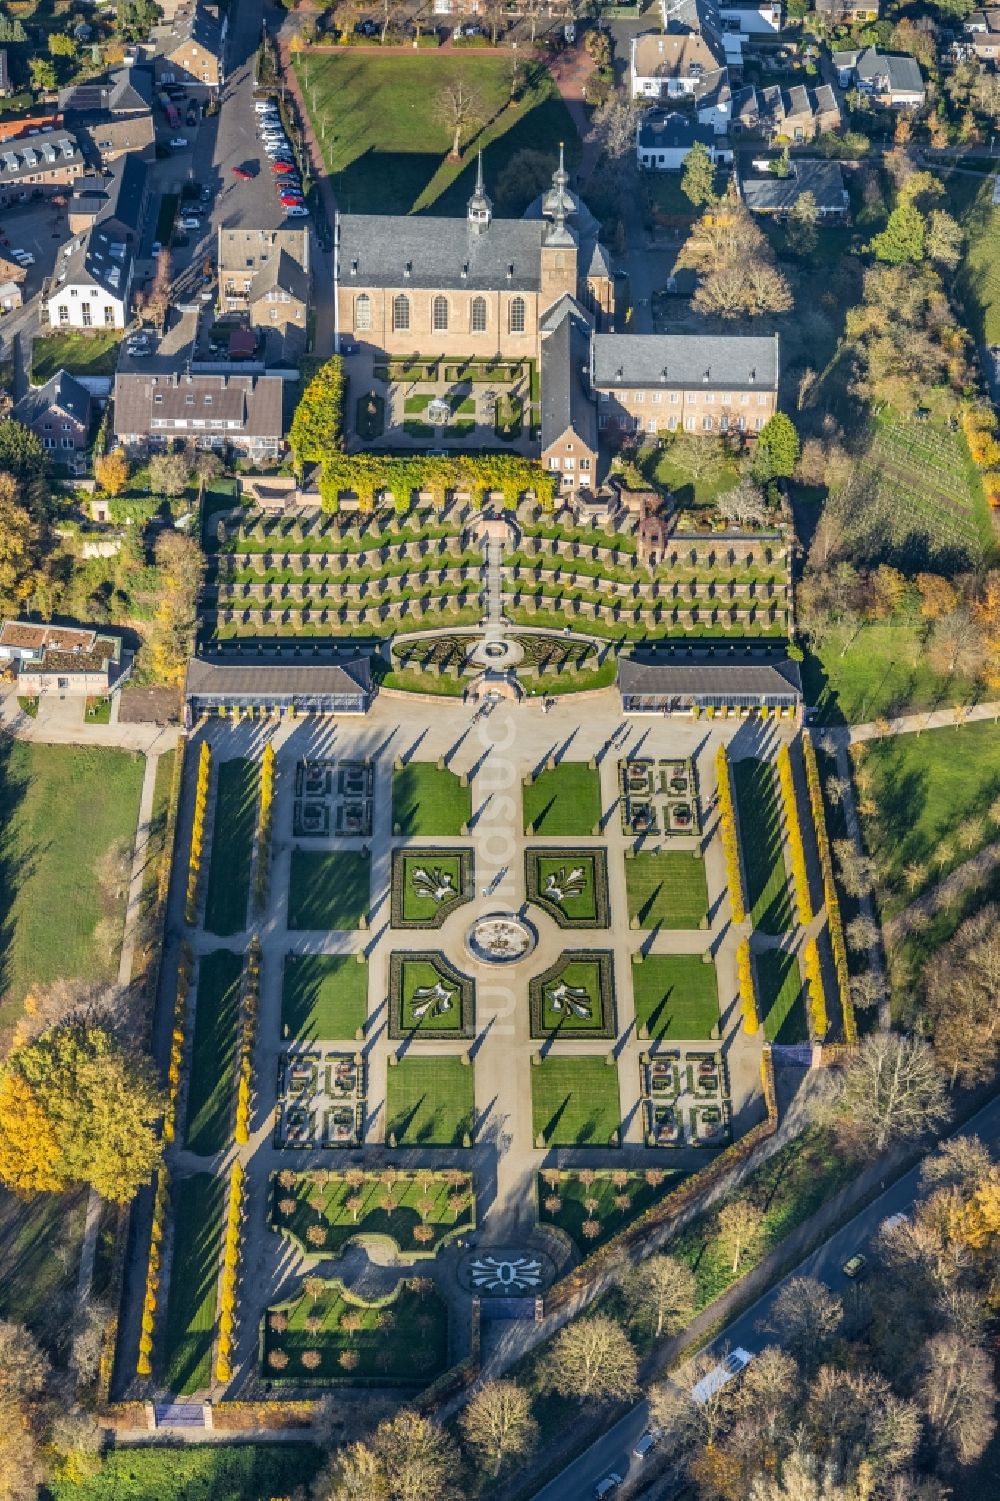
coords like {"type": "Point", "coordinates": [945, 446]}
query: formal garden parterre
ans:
{"type": "Point", "coordinates": [428, 997]}
{"type": "Point", "coordinates": [429, 883]}
{"type": "Point", "coordinates": [322, 1212]}
{"type": "Point", "coordinates": [571, 885]}
{"type": "Point", "coordinates": [328, 1336]}
{"type": "Point", "coordinates": [575, 996]}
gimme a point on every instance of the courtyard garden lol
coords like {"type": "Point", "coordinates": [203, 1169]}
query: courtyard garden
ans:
{"type": "Point", "coordinates": [429, 801]}
{"type": "Point", "coordinates": [571, 885]}
{"type": "Point", "coordinates": [430, 1102]}
{"type": "Point", "coordinates": [232, 847]}
{"type": "Point", "coordinates": [428, 997]}
{"type": "Point", "coordinates": [575, 997]}
{"type": "Point", "coordinates": [211, 1087]}
{"type": "Point", "coordinates": [189, 1326]}
{"type": "Point", "coordinates": [781, 996]}
{"type": "Point", "coordinates": [767, 895]}
{"type": "Point", "coordinates": [323, 996]}
{"type": "Point", "coordinates": [428, 884]}
{"type": "Point", "coordinates": [417, 1212]}
{"type": "Point", "coordinates": [676, 996]}
{"type": "Point", "coordinates": [329, 890]}
{"type": "Point", "coordinates": [565, 798]}
{"type": "Point", "coordinates": [591, 1205]}
{"type": "Point", "coordinates": [327, 1335]}
{"type": "Point", "coordinates": [575, 1102]}
{"type": "Point", "coordinates": [666, 889]}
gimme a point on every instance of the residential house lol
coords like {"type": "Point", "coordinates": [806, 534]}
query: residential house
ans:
{"type": "Point", "coordinates": [664, 138]}
{"type": "Point", "coordinates": [569, 421]}
{"type": "Point", "coordinates": [981, 36]}
{"type": "Point", "coordinates": [91, 286]}
{"type": "Point", "coordinates": [891, 79]}
{"type": "Point", "coordinates": [777, 196]}
{"type": "Point", "coordinates": [62, 660]}
{"type": "Point", "coordinates": [31, 167]}
{"type": "Point", "coordinates": [113, 117]}
{"type": "Point", "coordinates": [751, 17]}
{"type": "Point", "coordinates": [59, 414]}
{"type": "Point", "coordinates": [192, 50]}
{"type": "Point", "coordinates": [265, 274]}
{"type": "Point", "coordinates": [243, 412]}
{"type": "Point", "coordinates": [674, 65]}
{"type": "Point", "coordinates": [695, 383]}
{"type": "Point", "coordinates": [799, 113]}
{"type": "Point", "coordinates": [119, 201]}
{"type": "Point", "coordinates": [851, 11]}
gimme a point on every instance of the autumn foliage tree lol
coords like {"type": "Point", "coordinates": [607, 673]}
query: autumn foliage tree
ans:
{"type": "Point", "coordinates": [318, 424]}
{"type": "Point", "coordinates": [181, 567]}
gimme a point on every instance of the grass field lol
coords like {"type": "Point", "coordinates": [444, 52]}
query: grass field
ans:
{"type": "Point", "coordinates": [40, 1241]}
{"type": "Point", "coordinates": [759, 812]}
{"type": "Point", "coordinates": [403, 1339]}
{"type": "Point", "coordinates": [935, 799]}
{"type": "Point", "coordinates": [575, 1101]}
{"type": "Point", "coordinates": [978, 280]}
{"type": "Point", "coordinates": [328, 891]}
{"type": "Point", "coordinates": [388, 154]}
{"type": "Point", "coordinates": [780, 996]}
{"type": "Point", "coordinates": [212, 1090]}
{"type": "Point", "coordinates": [195, 1472]}
{"type": "Point", "coordinates": [323, 996]}
{"type": "Point", "coordinates": [61, 809]}
{"type": "Point", "coordinates": [667, 890]}
{"type": "Point", "coordinates": [419, 905]}
{"type": "Point", "coordinates": [676, 996]}
{"type": "Point", "coordinates": [428, 801]}
{"type": "Point", "coordinates": [232, 848]}
{"type": "Point", "coordinates": [416, 1199]}
{"type": "Point", "coordinates": [429, 1102]}
{"type": "Point", "coordinates": [194, 1273]}
{"type": "Point", "coordinates": [565, 800]}
{"type": "Point", "coordinates": [162, 784]}
{"type": "Point", "coordinates": [79, 353]}
{"type": "Point", "coordinates": [620, 1196]}
{"type": "Point", "coordinates": [883, 670]}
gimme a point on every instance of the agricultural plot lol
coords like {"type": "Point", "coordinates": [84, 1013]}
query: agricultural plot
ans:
{"type": "Point", "coordinates": [416, 1212]}
{"type": "Point", "coordinates": [575, 1102]}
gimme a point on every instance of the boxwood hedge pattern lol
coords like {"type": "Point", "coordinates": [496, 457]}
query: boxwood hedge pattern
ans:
{"type": "Point", "coordinates": [409, 910]}
{"type": "Point", "coordinates": [590, 909]}
{"type": "Point", "coordinates": [434, 961]}
{"type": "Point", "coordinates": [577, 964]}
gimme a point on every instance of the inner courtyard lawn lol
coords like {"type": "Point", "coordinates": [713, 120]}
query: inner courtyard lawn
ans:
{"type": "Point", "coordinates": [781, 996]}
{"type": "Point", "coordinates": [575, 1101]}
{"type": "Point", "coordinates": [768, 900]}
{"type": "Point", "coordinates": [345, 1210]}
{"type": "Point", "coordinates": [62, 808]}
{"type": "Point", "coordinates": [211, 1090]}
{"type": "Point", "coordinates": [563, 800]}
{"type": "Point", "coordinates": [429, 801]}
{"type": "Point", "coordinates": [328, 891]}
{"type": "Point", "coordinates": [323, 997]}
{"type": "Point", "coordinates": [392, 156]}
{"type": "Point", "coordinates": [232, 847]}
{"type": "Point", "coordinates": [429, 1102]}
{"type": "Point", "coordinates": [402, 1339]}
{"type": "Point", "coordinates": [667, 890]}
{"type": "Point", "coordinates": [194, 1274]}
{"type": "Point", "coordinates": [676, 996]}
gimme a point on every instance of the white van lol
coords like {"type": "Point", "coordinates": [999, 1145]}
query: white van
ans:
{"type": "Point", "coordinates": [719, 1376]}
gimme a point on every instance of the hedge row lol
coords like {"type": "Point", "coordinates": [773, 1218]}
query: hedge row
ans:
{"type": "Point", "coordinates": [427, 854]}
{"type": "Point", "coordinates": [265, 813]}
{"type": "Point", "coordinates": [604, 960]}
{"type": "Point", "coordinates": [730, 838]}
{"type": "Point", "coordinates": [227, 1283]}
{"type": "Point", "coordinates": [833, 918]}
{"type": "Point", "coordinates": [144, 1364]}
{"type": "Point", "coordinates": [819, 1022]}
{"type": "Point", "coordinates": [748, 991]}
{"type": "Point", "coordinates": [249, 1005]}
{"type": "Point", "coordinates": [466, 1027]}
{"type": "Point", "coordinates": [198, 832]}
{"type": "Point", "coordinates": [793, 831]}
{"type": "Point", "coordinates": [373, 478]}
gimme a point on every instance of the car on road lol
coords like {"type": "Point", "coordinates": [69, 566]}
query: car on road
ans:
{"type": "Point", "coordinates": [645, 1442]}
{"type": "Point", "coordinates": [23, 257]}
{"type": "Point", "coordinates": [178, 143]}
{"type": "Point", "coordinates": [297, 211]}
{"type": "Point", "coordinates": [155, 249]}
{"type": "Point", "coordinates": [242, 174]}
{"type": "Point", "coordinates": [720, 1375]}
{"type": "Point", "coordinates": [190, 222]}
{"type": "Point", "coordinates": [854, 1265]}
{"type": "Point", "coordinates": [607, 1485]}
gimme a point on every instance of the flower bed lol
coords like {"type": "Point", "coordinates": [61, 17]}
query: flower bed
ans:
{"type": "Point", "coordinates": [422, 880]}
{"type": "Point", "coordinates": [571, 885]}
{"type": "Point", "coordinates": [427, 995]}
{"type": "Point", "coordinates": [575, 997]}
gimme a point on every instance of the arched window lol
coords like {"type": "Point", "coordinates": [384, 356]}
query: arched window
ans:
{"type": "Point", "coordinates": [363, 311]}
{"type": "Point", "coordinates": [479, 315]}
{"type": "Point", "coordinates": [439, 315]}
{"type": "Point", "coordinates": [401, 312]}
{"type": "Point", "coordinates": [516, 316]}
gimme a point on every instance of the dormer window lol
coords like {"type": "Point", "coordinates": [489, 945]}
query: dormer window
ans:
{"type": "Point", "coordinates": [354, 266]}
{"type": "Point", "coordinates": [408, 270]}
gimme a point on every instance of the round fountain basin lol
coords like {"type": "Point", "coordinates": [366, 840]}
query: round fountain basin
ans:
{"type": "Point", "coordinates": [500, 938]}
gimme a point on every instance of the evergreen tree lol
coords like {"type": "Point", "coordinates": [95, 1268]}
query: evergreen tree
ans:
{"type": "Point", "coordinates": [698, 180]}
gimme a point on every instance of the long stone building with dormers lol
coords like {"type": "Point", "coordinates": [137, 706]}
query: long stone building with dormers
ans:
{"type": "Point", "coordinates": [479, 286]}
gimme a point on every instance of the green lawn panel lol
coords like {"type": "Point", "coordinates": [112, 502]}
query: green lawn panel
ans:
{"type": "Point", "coordinates": [328, 892]}
{"type": "Point", "coordinates": [40, 1241]}
{"type": "Point", "coordinates": [189, 1326]}
{"type": "Point", "coordinates": [575, 1101]}
{"type": "Point", "coordinates": [611, 1217]}
{"type": "Point", "coordinates": [428, 801]}
{"type": "Point", "coordinates": [676, 997]}
{"type": "Point", "coordinates": [324, 997]}
{"type": "Point", "coordinates": [579, 974]}
{"type": "Point", "coordinates": [667, 890]}
{"type": "Point", "coordinates": [404, 1339]}
{"type": "Point", "coordinates": [781, 995]}
{"type": "Point", "coordinates": [768, 900]}
{"type": "Point", "coordinates": [418, 907]}
{"type": "Point", "coordinates": [212, 1086]}
{"type": "Point", "coordinates": [565, 800]}
{"type": "Point", "coordinates": [196, 1472]}
{"type": "Point", "coordinates": [429, 1101]}
{"type": "Point", "coordinates": [232, 848]}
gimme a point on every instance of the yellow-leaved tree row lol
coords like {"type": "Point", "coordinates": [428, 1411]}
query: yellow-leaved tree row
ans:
{"type": "Point", "coordinates": [184, 968]}
{"type": "Point", "coordinates": [144, 1364]}
{"type": "Point", "coordinates": [748, 991]}
{"type": "Point", "coordinates": [227, 1282]}
{"type": "Point", "coordinates": [248, 1032]}
{"type": "Point", "coordinates": [730, 838]}
{"type": "Point", "coordinates": [819, 1022]}
{"type": "Point", "coordinates": [835, 925]}
{"type": "Point", "coordinates": [262, 870]}
{"type": "Point", "coordinates": [198, 831]}
{"type": "Point", "coordinates": [793, 831]}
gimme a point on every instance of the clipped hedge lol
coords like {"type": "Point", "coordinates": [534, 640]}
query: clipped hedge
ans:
{"type": "Point", "coordinates": [428, 854]}
{"type": "Point", "coordinates": [265, 815]}
{"type": "Point", "coordinates": [748, 990]}
{"type": "Point", "coordinates": [198, 832]}
{"type": "Point", "coordinates": [144, 1364]}
{"type": "Point", "coordinates": [466, 1020]}
{"type": "Point", "coordinates": [819, 1022]}
{"type": "Point", "coordinates": [834, 921]}
{"type": "Point", "coordinates": [374, 478]}
{"type": "Point", "coordinates": [793, 833]}
{"type": "Point", "coordinates": [249, 1006]}
{"type": "Point", "coordinates": [604, 960]}
{"type": "Point", "coordinates": [730, 837]}
{"type": "Point", "coordinates": [228, 1280]}
{"type": "Point", "coordinates": [598, 862]}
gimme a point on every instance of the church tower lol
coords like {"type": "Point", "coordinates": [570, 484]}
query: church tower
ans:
{"type": "Point", "coordinates": [559, 245]}
{"type": "Point", "coordinates": [480, 211]}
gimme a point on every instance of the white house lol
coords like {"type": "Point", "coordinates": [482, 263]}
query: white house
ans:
{"type": "Point", "coordinates": [751, 17]}
{"type": "Point", "coordinates": [663, 140]}
{"type": "Point", "coordinates": [92, 282]}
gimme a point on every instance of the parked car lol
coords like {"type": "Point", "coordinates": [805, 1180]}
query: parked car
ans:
{"type": "Point", "coordinates": [242, 174]}
{"type": "Point", "coordinates": [366, 28]}
{"type": "Point", "coordinates": [138, 351]}
{"type": "Point", "coordinates": [23, 257]}
{"type": "Point", "coordinates": [289, 200]}
{"type": "Point", "coordinates": [281, 168]}
{"type": "Point", "coordinates": [155, 249]}
{"type": "Point", "coordinates": [645, 1442]}
{"type": "Point", "coordinates": [296, 211]}
{"type": "Point", "coordinates": [263, 105]}
{"type": "Point", "coordinates": [178, 143]}
{"type": "Point", "coordinates": [190, 222]}
{"type": "Point", "coordinates": [607, 1485]}
{"type": "Point", "coordinates": [736, 1361]}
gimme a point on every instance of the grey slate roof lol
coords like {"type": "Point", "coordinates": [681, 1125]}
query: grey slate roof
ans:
{"type": "Point", "coordinates": [30, 156]}
{"type": "Point", "coordinates": [276, 675]}
{"type": "Point", "coordinates": [664, 132]}
{"type": "Point", "coordinates": [124, 194]}
{"type": "Point", "coordinates": [252, 401]}
{"type": "Point", "coordinates": [63, 393]}
{"type": "Point", "coordinates": [723, 667]}
{"type": "Point", "coordinates": [566, 402]}
{"type": "Point", "coordinates": [282, 273]}
{"type": "Point", "coordinates": [870, 65]}
{"type": "Point", "coordinates": [373, 251]}
{"type": "Point", "coordinates": [744, 363]}
{"type": "Point", "coordinates": [771, 194]}
{"type": "Point", "coordinates": [127, 91]}
{"type": "Point", "coordinates": [100, 258]}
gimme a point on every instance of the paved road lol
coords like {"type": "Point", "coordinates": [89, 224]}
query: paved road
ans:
{"type": "Point", "coordinates": [612, 1453]}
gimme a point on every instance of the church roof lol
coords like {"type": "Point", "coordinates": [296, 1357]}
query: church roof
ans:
{"type": "Point", "coordinates": [430, 252]}
{"type": "Point", "coordinates": [566, 401]}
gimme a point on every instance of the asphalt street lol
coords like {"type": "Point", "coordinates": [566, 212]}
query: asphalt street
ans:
{"type": "Point", "coordinates": [612, 1453]}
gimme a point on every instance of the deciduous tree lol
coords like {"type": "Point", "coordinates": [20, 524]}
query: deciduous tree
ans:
{"type": "Point", "coordinates": [318, 424]}
{"type": "Point", "coordinates": [407, 1459]}
{"type": "Point", "coordinates": [111, 471]}
{"type": "Point", "coordinates": [169, 473]}
{"type": "Point", "coordinates": [459, 109]}
{"type": "Point", "coordinates": [805, 1316]}
{"type": "Point", "coordinates": [892, 1091]}
{"type": "Point", "coordinates": [662, 1290]}
{"type": "Point", "coordinates": [592, 1359]}
{"type": "Point", "coordinates": [776, 452]}
{"type": "Point", "coordinates": [738, 1226]}
{"type": "Point", "coordinates": [904, 239]}
{"type": "Point", "coordinates": [498, 1425]}
{"type": "Point", "coordinates": [958, 1397]}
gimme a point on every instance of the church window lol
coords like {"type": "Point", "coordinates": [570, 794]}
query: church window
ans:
{"type": "Point", "coordinates": [363, 311]}
{"type": "Point", "coordinates": [517, 315]}
{"type": "Point", "coordinates": [439, 314]}
{"type": "Point", "coordinates": [401, 312]}
{"type": "Point", "coordinates": [479, 315]}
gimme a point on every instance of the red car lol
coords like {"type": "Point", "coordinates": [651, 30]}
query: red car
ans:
{"type": "Point", "coordinates": [280, 167]}
{"type": "Point", "coordinates": [242, 174]}
{"type": "Point", "coordinates": [289, 199]}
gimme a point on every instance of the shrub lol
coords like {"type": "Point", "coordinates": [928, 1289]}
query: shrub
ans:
{"type": "Point", "coordinates": [264, 820]}
{"type": "Point", "coordinates": [248, 1028]}
{"type": "Point", "coordinates": [834, 923]}
{"type": "Point", "coordinates": [796, 848]}
{"type": "Point", "coordinates": [198, 832]}
{"type": "Point", "coordinates": [748, 993]}
{"type": "Point", "coordinates": [819, 1023]}
{"type": "Point", "coordinates": [730, 838]}
{"type": "Point", "coordinates": [144, 1364]}
{"type": "Point", "coordinates": [227, 1283]}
